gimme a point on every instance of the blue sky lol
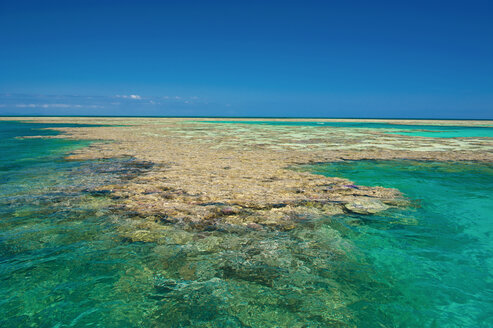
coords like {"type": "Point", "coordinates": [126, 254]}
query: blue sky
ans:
{"type": "Point", "coordinates": [247, 58]}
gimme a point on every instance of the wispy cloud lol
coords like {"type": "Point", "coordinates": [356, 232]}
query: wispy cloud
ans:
{"type": "Point", "coordinates": [55, 106]}
{"type": "Point", "coordinates": [120, 104]}
{"type": "Point", "coordinates": [135, 97]}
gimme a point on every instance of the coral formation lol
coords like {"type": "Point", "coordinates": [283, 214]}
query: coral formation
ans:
{"type": "Point", "coordinates": [210, 174]}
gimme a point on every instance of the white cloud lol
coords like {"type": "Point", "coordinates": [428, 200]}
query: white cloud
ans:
{"type": "Point", "coordinates": [75, 103]}
{"type": "Point", "coordinates": [27, 105]}
{"type": "Point", "coordinates": [135, 97]}
{"type": "Point", "coordinates": [56, 106]}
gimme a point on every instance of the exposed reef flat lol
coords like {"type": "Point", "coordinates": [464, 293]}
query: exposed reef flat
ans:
{"type": "Point", "coordinates": [208, 174]}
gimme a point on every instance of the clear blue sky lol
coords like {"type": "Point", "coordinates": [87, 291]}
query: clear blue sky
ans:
{"type": "Point", "coordinates": [247, 58]}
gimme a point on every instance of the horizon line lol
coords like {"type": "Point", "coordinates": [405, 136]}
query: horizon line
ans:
{"type": "Point", "coordinates": [262, 117]}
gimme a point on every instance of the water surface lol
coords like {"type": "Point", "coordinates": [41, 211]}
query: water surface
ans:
{"type": "Point", "coordinates": [66, 259]}
{"type": "Point", "coordinates": [438, 255]}
{"type": "Point", "coordinates": [433, 131]}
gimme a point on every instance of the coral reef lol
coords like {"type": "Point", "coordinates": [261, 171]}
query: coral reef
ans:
{"type": "Point", "coordinates": [211, 174]}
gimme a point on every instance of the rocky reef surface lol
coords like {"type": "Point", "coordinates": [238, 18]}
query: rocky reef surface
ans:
{"type": "Point", "coordinates": [209, 175]}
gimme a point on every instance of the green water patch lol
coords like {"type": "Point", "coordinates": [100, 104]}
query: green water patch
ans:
{"type": "Point", "coordinates": [435, 257]}
{"type": "Point", "coordinates": [434, 131]}
{"type": "Point", "coordinates": [60, 254]}
{"type": "Point", "coordinates": [26, 161]}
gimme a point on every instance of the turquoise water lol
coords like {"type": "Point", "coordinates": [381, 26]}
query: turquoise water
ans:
{"type": "Point", "coordinates": [433, 131]}
{"type": "Point", "coordinates": [439, 255]}
{"type": "Point", "coordinates": [66, 259]}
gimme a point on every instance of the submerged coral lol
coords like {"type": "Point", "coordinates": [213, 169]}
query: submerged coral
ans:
{"type": "Point", "coordinates": [184, 224]}
{"type": "Point", "coordinates": [208, 175]}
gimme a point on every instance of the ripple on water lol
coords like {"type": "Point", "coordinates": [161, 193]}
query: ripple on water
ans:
{"type": "Point", "coordinates": [65, 260]}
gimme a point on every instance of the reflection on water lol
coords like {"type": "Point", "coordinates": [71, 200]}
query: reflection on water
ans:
{"type": "Point", "coordinates": [65, 260]}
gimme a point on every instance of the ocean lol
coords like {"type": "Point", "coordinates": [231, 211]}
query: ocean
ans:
{"type": "Point", "coordinates": [64, 260]}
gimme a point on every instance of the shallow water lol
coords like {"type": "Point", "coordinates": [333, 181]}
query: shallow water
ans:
{"type": "Point", "coordinates": [65, 260]}
{"type": "Point", "coordinates": [438, 255]}
{"type": "Point", "coordinates": [433, 131]}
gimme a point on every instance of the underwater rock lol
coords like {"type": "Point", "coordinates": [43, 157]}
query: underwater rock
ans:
{"type": "Point", "coordinates": [229, 210]}
{"type": "Point", "coordinates": [208, 244]}
{"type": "Point", "coordinates": [256, 273]}
{"type": "Point", "coordinates": [366, 206]}
{"type": "Point", "coordinates": [254, 226]}
{"type": "Point", "coordinates": [351, 186]}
